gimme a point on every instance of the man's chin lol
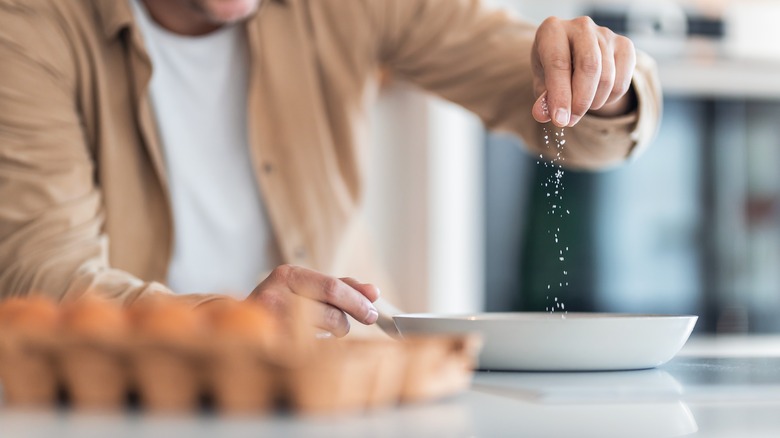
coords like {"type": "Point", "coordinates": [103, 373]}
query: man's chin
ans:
{"type": "Point", "coordinates": [230, 11]}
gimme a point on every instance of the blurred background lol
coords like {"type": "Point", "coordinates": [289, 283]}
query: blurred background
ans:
{"type": "Point", "coordinates": [692, 226]}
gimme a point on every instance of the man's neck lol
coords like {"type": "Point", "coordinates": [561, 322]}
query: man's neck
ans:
{"type": "Point", "coordinates": [180, 16]}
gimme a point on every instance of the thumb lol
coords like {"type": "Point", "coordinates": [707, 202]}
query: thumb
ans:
{"type": "Point", "coordinates": [540, 111]}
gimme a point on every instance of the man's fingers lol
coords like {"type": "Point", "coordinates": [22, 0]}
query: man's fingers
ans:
{"type": "Point", "coordinates": [607, 80]}
{"type": "Point", "coordinates": [328, 318]}
{"type": "Point", "coordinates": [552, 46]}
{"type": "Point", "coordinates": [305, 311]}
{"type": "Point", "coordinates": [586, 61]}
{"type": "Point", "coordinates": [368, 290]}
{"type": "Point", "coordinates": [328, 290]}
{"type": "Point", "coordinates": [582, 67]}
{"type": "Point", "coordinates": [625, 63]}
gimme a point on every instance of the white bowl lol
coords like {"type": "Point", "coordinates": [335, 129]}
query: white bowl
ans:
{"type": "Point", "coordinates": [563, 342]}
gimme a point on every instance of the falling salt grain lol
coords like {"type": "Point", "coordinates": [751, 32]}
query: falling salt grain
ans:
{"type": "Point", "coordinates": [556, 180]}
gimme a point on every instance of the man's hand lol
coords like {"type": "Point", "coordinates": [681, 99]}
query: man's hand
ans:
{"type": "Point", "coordinates": [326, 300]}
{"type": "Point", "coordinates": [580, 67]}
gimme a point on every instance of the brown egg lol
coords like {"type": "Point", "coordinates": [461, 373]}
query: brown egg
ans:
{"type": "Point", "coordinates": [243, 321]}
{"type": "Point", "coordinates": [27, 374]}
{"type": "Point", "coordinates": [168, 319]}
{"type": "Point", "coordinates": [93, 317]}
{"type": "Point", "coordinates": [30, 315]}
{"type": "Point", "coordinates": [93, 364]}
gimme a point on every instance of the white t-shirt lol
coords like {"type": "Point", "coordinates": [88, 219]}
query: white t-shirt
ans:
{"type": "Point", "coordinates": [223, 242]}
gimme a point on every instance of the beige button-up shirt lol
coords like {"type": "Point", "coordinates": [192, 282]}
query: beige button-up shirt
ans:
{"type": "Point", "coordinates": [83, 198]}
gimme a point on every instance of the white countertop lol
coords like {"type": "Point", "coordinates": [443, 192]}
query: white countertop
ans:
{"type": "Point", "coordinates": [724, 387]}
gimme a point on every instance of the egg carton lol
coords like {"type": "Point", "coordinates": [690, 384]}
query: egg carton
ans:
{"type": "Point", "coordinates": [168, 369]}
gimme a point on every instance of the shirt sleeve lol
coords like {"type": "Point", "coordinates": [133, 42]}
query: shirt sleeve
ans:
{"type": "Point", "coordinates": [52, 241]}
{"type": "Point", "coordinates": [480, 58]}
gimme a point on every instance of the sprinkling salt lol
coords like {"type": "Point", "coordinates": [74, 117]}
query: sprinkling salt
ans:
{"type": "Point", "coordinates": [555, 196]}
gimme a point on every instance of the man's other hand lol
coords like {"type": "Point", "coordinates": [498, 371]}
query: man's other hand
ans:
{"type": "Point", "coordinates": [325, 300]}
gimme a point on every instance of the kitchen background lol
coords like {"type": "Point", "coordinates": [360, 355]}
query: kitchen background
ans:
{"type": "Point", "coordinates": [693, 226]}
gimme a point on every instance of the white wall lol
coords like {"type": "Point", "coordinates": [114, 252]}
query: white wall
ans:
{"type": "Point", "coordinates": [424, 200]}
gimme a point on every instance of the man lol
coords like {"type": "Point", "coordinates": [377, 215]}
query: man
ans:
{"type": "Point", "coordinates": [191, 145]}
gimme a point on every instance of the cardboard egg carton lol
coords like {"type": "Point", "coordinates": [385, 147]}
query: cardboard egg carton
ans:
{"type": "Point", "coordinates": [171, 358]}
